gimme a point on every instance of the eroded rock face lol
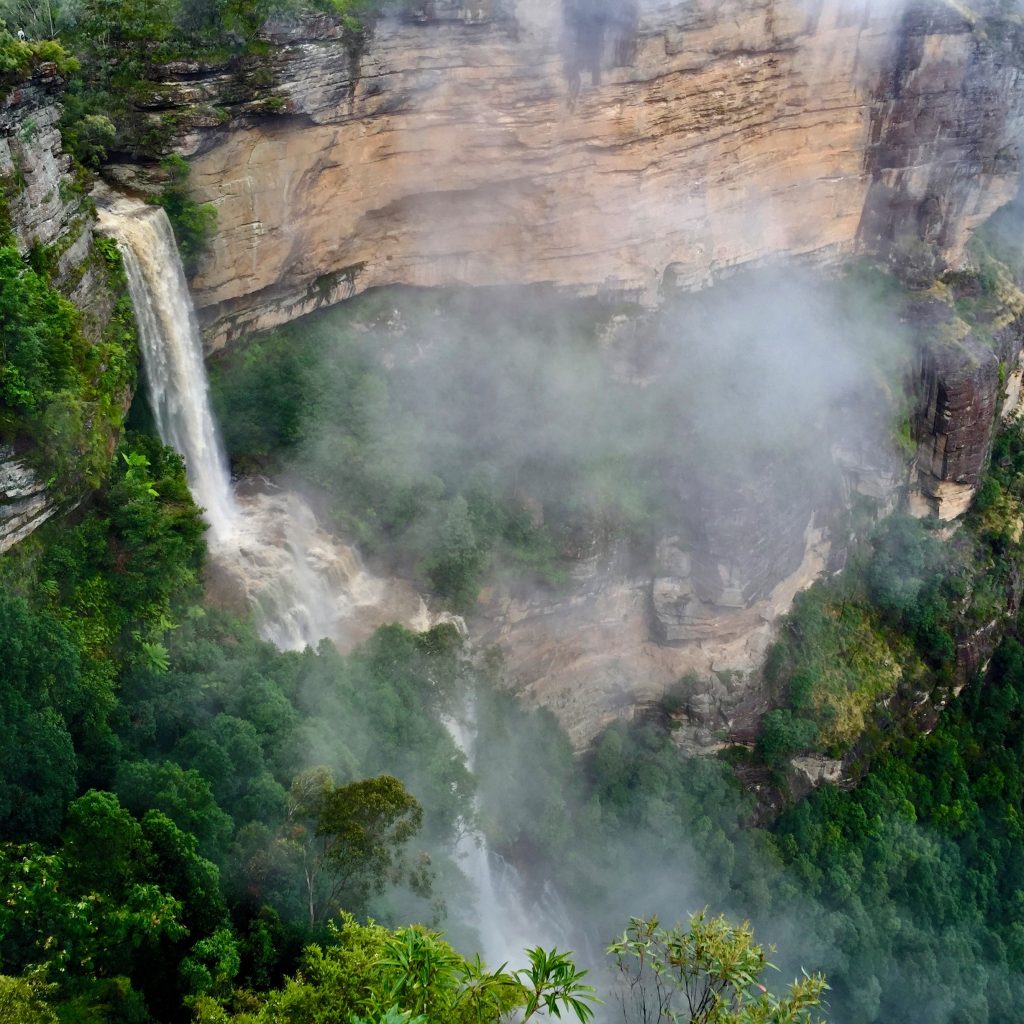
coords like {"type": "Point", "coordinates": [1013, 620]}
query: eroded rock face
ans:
{"type": "Point", "coordinates": [47, 209]}
{"type": "Point", "coordinates": [523, 142]}
{"type": "Point", "coordinates": [616, 639]}
{"type": "Point", "coordinates": [934, 167]}
{"type": "Point", "coordinates": [960, 383]}
{"type": "Point", "coordinates": [24, 503]}
{"type": "Point", "coordinates": [751, 532]}
{"type": "Point", "coordinates": [808, 773]}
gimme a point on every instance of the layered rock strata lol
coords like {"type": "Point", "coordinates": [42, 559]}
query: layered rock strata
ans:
{"type": "Point", "coordinates": [527, 142]}
{"type": "Point", "coordinates": [960, 391]}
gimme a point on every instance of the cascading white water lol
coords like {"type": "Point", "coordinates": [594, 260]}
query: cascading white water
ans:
{"type": "Point", "coordinates": [172, 356]}
{"type": "Point", "coordinates": [303, 584]}
{"type": "Point", "coordinates": [506, 923]}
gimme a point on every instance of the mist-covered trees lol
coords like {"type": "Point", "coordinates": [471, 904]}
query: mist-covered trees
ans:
{"type": "Point", "coordinates": [349, 838]}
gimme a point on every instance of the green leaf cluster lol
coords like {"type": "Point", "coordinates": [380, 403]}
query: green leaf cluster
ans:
{"type": "Point", "coordinates": [194, 223]}
{"type": "Point", "coordinates": [59, 391]}
{"type": "Point", "coordinates": [367, 973]}
{"type": "Point", "coordinates": [705, 973]}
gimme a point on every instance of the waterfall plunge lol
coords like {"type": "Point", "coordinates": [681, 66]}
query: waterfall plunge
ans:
{"type": "Point", "coordinates": [302, 584]}
{"type": "Point", "coordinates": [507, 925]}
{"type": "Point", "coordinates": [172, 358]}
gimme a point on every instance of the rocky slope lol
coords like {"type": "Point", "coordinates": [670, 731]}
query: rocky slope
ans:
{"type": "Point", "coordinates": [482, 143]}
{"type": "Point", "coordinates": [47, 210]}
{"type": "Point", "coordinates": [708, 604]}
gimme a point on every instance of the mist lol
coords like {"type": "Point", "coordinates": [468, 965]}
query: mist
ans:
{"type": "Point", "coordinates": [600, 425]}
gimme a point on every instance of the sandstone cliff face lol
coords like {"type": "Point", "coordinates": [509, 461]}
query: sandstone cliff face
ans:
{"type": "Point", "coordinates": [520, 143]}
{"type": "Point", "coordinates": [937, 170]}
{"type": "Point", "coordinates": [46, 209]}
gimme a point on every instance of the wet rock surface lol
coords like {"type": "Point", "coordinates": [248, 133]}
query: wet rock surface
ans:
{"type": "Point", "coordinates": [24, 503]}
{"type": "Point", "coordinates": [955, 422]}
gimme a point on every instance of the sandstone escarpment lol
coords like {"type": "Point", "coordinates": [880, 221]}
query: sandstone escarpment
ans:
{"type": "Point", "coordinates": [516, 143]}
{"type": "Point", "coordinates": [946, 130]}
{"type": "Point", "coordinates": [650, 150]}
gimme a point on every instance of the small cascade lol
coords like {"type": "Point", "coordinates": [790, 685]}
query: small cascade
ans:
{"type": "Point", "coordinates": [506, 921]}
{"type": "Point", "coordinates": [172, 355]}
{"type": "Point", "coordinates": [302, 584]}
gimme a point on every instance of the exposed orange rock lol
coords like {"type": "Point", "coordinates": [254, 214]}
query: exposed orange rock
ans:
{"type": "Point", "coordinates": [695, 137]}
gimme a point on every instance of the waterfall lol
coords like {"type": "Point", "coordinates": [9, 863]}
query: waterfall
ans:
{"type": "Point", "coordinates": [172, 356]}
{"type": "Point", "coordinates": [305, 585]}
{"type": "Point", "coordinates": [302, 584]}
{"type": "Point", "coordinates": [506, 921]}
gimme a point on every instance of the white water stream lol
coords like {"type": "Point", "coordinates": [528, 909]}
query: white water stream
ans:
{"type": "Point", "coordinates": [302, 584]}
{"type": "Point", "coordinates": [507, 923]}
{"type": "Point", "coordinates": [172, 357]}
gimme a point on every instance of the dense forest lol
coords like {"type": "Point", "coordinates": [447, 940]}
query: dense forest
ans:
{"type": "Point", "coordinates": [195, 825]}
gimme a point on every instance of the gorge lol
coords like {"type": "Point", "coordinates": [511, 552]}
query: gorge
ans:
{"type": "Point", "coordinates": [867, 128]}
{"type": "Point", "coordinates": [645, 378]}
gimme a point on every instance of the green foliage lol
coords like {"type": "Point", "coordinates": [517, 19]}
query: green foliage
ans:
{"type": "Point", "coordinates": [367, 973]}
{"type": "Point", "coordinates": [24, 1001]}
{"type": "Point", "coordinates": [853, 662]}
{"type": "Point", "coordinates": [457, 565]}
{"type": "Point", "coordinates": [88, 138]}
{"type": "Point", "coordinates": [930, 840]}
{"type": "Point", "coordinates": [19, 59]}
{"type": "Point", "coordinates": [43, 698]}
{"type": "Point", "coordinates": [888, 627]}
{"type": "Point", "coordinates": [783, 734]}
{"type": "Point", "coordinates": [554, 983]}
{"type": "Point", "coordinates": [706, 973]}
{"type": "Point", "coordinates": [194, 223]}
{"type": "Point", "coordinates": [40, 333]}
{"type": "Point", "coordinates": [94, 594]}
{"type": "Point", "coordinates": [118, 891]}
{"type": "Point", "coordinates": [349, 838]}
{"type": "Point", "coordinates": [60, 392]}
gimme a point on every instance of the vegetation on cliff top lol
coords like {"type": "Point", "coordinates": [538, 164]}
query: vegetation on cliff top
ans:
{"type": "Point", "coordinates": [120, 48]}
{"type": "Point", "coordinates": [19, 58]}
